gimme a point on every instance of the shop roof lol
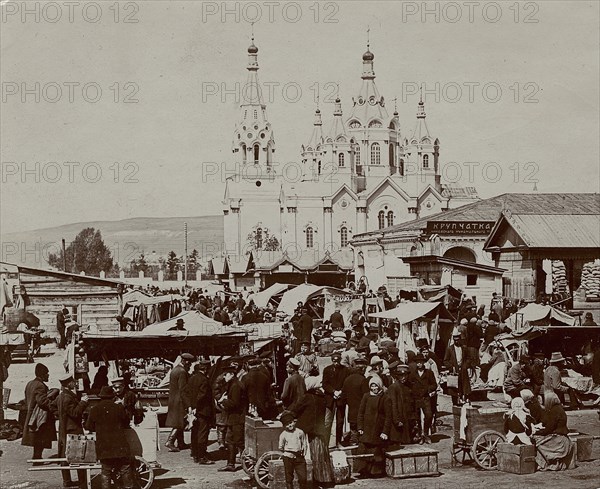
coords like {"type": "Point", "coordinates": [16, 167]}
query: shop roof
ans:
{"type": "Point", "coordinates": [455, 263]}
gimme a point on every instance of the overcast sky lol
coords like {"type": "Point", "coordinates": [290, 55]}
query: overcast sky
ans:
{"type": "Point", "coordinates": [119, 160]}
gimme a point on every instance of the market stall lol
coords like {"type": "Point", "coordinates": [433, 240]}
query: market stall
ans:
{"type": "Point", "coordinates": [272, 294]}
{"type": "Point", "coordinates": [306, 293]}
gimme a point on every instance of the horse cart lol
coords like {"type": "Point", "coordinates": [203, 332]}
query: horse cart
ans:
{"type": "Point", "coordinates": [261, 447]}
{"type": "Point", "coordinates": [477, 432]}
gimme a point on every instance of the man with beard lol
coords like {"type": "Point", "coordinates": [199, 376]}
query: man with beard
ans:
{"type": "Point", "coordinates": [124, 396]}
{"type": "Point", "coordinates": [69, 412]}
{"type": "Point", "coordinates": [234, 404]}
{"type": "Point", "coordinates": [400, 409]}
{"type": "Point", "coordinates": [198, 397]}
{"type": "Point", "coordinates": [176, 410]}
{"type": "Point", "coordinates": [333, 381]}
{"type": "Point", "coordinates": [355, 386]}
{"type": "Point", "coordinates": [423, 387]}
{"type": "Point", "coordinates": [258, 387]}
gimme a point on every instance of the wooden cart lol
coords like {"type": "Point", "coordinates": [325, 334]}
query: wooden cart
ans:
{"type": "Point", "coordinates": [261, 447]}
{"type": "Point", "coordinates": [483, 431]}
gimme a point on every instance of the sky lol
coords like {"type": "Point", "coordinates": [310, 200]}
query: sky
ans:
{"type": "Point", "coordinates": [113, 110]}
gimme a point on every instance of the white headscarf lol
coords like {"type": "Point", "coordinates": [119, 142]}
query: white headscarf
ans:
{"type": "Point", "coordinates": [518, 409]}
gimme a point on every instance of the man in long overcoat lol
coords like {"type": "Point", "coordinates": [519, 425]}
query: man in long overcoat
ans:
{"type": "Point", "coordinates": [235, 404]}
{"type": "Point", "coordinates": [355, 386]}
{"type": "Point", "coordinates": [400, 409]}
{"type": "Point", "coordinates": [258, 388]}
{"type": "Point", "coordinates": [109, 421]}
{"type": "Point", "coordinates": [39, 431]}
{"type": "Point", "coordinates": [199, 398]}
{"type": "Point", "coordinates": [294, 386]}
{"type": "Point", "coordinates": [69, 411]}
{"type": "Point", "coordinates": [333, 381]}
{"type": "Point", "coordinates": [457, 360]}
{"type": "Point", "coordinates": [176, 412]}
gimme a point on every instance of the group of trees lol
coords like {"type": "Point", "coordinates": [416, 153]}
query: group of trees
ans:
{"type": "Point", "coordinates": [88, 253]}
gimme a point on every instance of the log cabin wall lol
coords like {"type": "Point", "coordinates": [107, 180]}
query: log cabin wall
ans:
{"type": "Point", "coordinates": [90, 301]}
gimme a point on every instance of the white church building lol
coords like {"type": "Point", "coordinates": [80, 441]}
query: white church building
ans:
{"type": "Point", "coordinates": [360, 173]}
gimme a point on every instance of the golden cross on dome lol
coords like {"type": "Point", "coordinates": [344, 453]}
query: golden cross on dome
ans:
{"type": "Point", "coordinates": [368, 37]}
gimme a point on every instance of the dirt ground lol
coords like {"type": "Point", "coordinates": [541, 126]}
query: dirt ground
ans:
{"type": "Point", "coordinates": [180, 472]}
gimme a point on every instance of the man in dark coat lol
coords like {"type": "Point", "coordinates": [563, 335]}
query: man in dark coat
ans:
{"type": "Point", "coordinates": [235, 405]}
{"type": "Point", "coordinates": [306, 326]}
{"type": "Point", "coordinates": [457, 360]}
{"type": "Point", "coordinates": [176, 411]}
{"type": "Point", "coordinates": [334, 376]}
{"type": "Point", "coordinates": [355, 386]}
{"type": "Point", "coordinates": [423, 385]}
{"type": "Point", "coordinates": [109, 421]}
{"type": "Point", "coordinates": [293, 387]}
{"type": "Point", "coordinates": [39, 431]}
{"type": "Point", "coordinates": [337, 321]}
{"type": "Point", "coordinates": [199, 399]}
{"type": "Point", "coordinates": [400, 409]}
{"type": "Point", "coordinates": [129, 399]}
{"type": "Point", "coordinates": [473, 342]}
{"type": "Point", "coordinates": [258, 387]}
{"type": "Point", "coordinates": [69, 411]}
{"type": "Point", "coordinates": [60, 327]}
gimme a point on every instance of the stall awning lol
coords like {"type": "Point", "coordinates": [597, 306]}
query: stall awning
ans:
{"type": "Point", "coordinates": [407, 312]}
{"type": "Point", "coordinates": [261, 299]}
{"type": "Point", "coordinates": [137, 297]}
{"type": "Point", "coordinates": [303, 293]}
{"type": "Point", "coordinates": [539, 315]}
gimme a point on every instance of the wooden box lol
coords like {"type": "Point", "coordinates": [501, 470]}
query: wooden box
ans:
{"type": "Point", "coordinates": [412, 461]}
{"type": "Point", "coordinates": [478, 421]}
{"type": "Point", "coordinates": [584, 447]}
{"type": "Point", "coordinates": [277, 475]}
{"type": "Point", "coordinates": [261, 436]}
{"type": "Point", "coordinates": [516, 459]}
{"type": "Point", "coordinates": [81, 449]}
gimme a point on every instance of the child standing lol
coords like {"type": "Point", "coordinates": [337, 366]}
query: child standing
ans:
{"type": "Point", "coordinates": [293, 442]}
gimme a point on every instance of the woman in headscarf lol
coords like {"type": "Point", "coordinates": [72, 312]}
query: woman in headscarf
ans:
{"type": "Point", "coordinates": [309, 410]}
{"type": "Point", "coordinates": [371, 428]}
{"type": "Point", "coordinates": [533, 405]}
{"type": "Point", "coordinates": [554, 449]}
{"type": "Point", "coordinates": [517, 423]}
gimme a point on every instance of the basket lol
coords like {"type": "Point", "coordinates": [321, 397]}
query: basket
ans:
{"type": "Point", "coordinates": [452, 381]}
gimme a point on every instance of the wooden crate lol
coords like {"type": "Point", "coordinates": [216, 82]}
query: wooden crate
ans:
{"type": "Point", "coordinates": [412, 461]}
{"type": "Point", "coordinates": [584, 447]}
{"type": "Point", "coordinates": [516, 459]}
{"type": "Point", "coordinates": [261, 436]}
{"type": "Point", "coordinates": [81, 449]}
{"type": "Point", "coordinates": [478, 421]}
{"type": "Point", "coordinates": [277, 474]}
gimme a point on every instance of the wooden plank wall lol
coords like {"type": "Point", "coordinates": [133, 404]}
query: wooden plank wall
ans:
{"type": "Point", "coordinates": [90, 303]}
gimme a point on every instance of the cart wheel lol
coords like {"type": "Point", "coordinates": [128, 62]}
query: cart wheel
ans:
{"type": "Point", "coordinates": [485, 447]}
{"type": "Point", "coordinates": [462, 450]}
{"type": "Point", "coordinates": [248, 462]}
{"type": "Point", "coordinates": [144, 473]}
{"type": "Point", "coordinates": [261, 469]}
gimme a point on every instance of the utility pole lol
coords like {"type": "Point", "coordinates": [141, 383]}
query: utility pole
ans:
{"type": "Point", "coordinates": [64, 255]}
{"type": "Point", "coordinates": [185, 266]}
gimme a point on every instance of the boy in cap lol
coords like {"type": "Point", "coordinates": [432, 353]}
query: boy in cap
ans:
{"type": "Point", "coordinates": [70, 413]}
{"type": "Point", "coordinates": [293, 442]}
{"type": "Point", "coordinates": [293, 387]}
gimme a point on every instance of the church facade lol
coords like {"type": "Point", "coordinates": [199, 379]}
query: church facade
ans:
{"type": "Point", "coordinates": [360, 172]}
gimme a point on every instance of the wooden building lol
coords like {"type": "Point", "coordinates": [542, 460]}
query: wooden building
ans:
{"type": "Point", "coordinates": [90, 300]}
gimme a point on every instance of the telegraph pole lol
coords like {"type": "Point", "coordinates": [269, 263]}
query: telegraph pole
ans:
{"type": "Point", "coordinates": [64, 255]}
{"type": "Point", "coordinates": [185, 266]}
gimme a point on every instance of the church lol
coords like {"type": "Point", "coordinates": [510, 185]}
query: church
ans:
{"type": "Point", "coordinates": [359, 173]}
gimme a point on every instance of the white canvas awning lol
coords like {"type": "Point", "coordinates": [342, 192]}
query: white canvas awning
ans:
{"type": "Point", "coordinates": [539, 315]}
{"type": "Point", "coordinates": [303, 293]}
{"type": "Point", "coordinates": [261, 299]}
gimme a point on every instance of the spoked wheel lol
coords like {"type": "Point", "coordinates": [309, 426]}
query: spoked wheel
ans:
{"type": "Point", "coordinates": [261, 469]}
{"type": "Point", "coordinates": [143, 473]}
{"type": "Point", "coordinates": [460, 450]}
{"type": "Point", "coordinates": [485, 448]}
{"type": "Point", "coordinates": [248, 462]}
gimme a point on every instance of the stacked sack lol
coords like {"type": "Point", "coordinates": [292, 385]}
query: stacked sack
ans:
{"type": "Point", "coordinates": [559, 277]}
{"type": "Point", "coordinates": [590, 280]}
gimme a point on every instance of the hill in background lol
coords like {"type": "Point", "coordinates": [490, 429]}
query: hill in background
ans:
{"type": "Point", "coordinates": [126, 239]}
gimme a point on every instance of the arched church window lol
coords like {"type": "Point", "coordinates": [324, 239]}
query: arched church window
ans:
{"type": "Point", "coordinates": [425, 161]}
{"type": "Point", "coordinates": [381, 219]}
{"type": "Point", "coordinates": [357, 155]}
{"type": "Point", "coordinates": [256, 114]}
{"type": "Point", "coordinates": [256, 153]}
{"type": "Point", "coordinates": [401, 166]}
{"type": "Point", "coordinates": [319, 168]}
{"type": "Point", "coordinates": [244, 155]}
{"type": "Point", "coordinates": [309, 237]}
{"type": "Point", "coordinates": [341, 159]}
{"type": "Point", "coordinates": [259, 239]}
{"type": "Point", "coordinates": [391, 161]}
{"type": "Point", "coordinates": [390, 218]}
{"type": "Point", "coordinates": [344, 237]}
{"type": "Point", "coordinates": [375, 154]}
